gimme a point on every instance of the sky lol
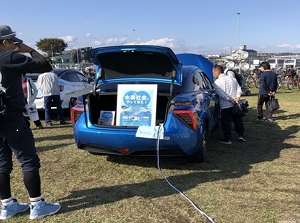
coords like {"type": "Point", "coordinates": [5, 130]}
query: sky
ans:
{"type": "Point", "coordinates": [206, 27]}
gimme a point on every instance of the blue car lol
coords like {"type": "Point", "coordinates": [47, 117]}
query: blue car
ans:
{"type": "Point", "coordinates": [137, 89]}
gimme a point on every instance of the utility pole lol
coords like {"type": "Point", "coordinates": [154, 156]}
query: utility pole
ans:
{"type": "Point", "coordinates": [52, 59]}
{"type": "Point", "coordinates": [239, 42]}
{"type": "Point", "coordinates": [239, 29]}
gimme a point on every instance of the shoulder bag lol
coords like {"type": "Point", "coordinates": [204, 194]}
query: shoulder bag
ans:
{"type": "Point", "coordinates": [273, 104]}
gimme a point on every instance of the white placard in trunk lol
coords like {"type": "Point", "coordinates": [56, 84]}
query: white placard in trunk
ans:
{"type": "Point", "coordinates": [136, 105]}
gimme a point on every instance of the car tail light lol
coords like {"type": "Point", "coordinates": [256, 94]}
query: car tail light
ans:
{"type": "Point", "coordinates": [188, 117]}
{"type": "Point", "coordinates": [76, 111]}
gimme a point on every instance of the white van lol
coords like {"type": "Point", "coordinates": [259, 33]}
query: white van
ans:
{"type": "Point", "coordinates": [276, 63]}
{"type": "Point", "coordinates": [291, 63]}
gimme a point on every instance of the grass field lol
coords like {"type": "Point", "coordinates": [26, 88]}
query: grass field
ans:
{"type": "Point", "coordinates": [257, 181]}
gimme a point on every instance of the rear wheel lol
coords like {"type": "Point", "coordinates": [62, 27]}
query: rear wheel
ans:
{"type": "Point", "coordinates": [72, 102]}
{"type": "Point", "coordinates": [290, 84]}
{"type": "Point", "coordinates": [248, 93]}
{"type": "Point", "coordinates": [200, 155]}
{"type": "Point", "coordinates": [250, 82]}
{"type": "Point", "coordinates": [279, 81]}
{"type": "Point", "coordinates": [257, 83]}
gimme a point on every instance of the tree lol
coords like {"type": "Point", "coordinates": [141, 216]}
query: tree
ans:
{"type": "Point", "coordinates": [51, 46]}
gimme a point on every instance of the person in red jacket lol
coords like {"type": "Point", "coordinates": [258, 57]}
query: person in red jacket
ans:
{"type": "Point", "coordinates": [16, 136]}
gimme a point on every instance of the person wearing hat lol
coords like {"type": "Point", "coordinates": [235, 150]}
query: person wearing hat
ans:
{"type": "Point", "coordinates": [16, 137]}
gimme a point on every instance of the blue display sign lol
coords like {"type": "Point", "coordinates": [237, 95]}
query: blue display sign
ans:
{"type": "Point", "coordinates": [136, 105]}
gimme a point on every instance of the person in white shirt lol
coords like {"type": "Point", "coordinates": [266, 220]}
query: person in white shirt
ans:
{"type": "Point", "coordinates": [229, 92]}
{"type": "Point", "coordinates": [49, 85]}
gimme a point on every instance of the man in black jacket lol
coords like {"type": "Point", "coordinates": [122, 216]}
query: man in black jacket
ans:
{"type": "Point", "coordinates": [16, 137]}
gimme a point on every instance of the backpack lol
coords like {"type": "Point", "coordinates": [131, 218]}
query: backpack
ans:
{"type": "Point", "coordinates": [237, 77]}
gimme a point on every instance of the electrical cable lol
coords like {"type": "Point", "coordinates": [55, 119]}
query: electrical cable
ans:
{"type": "Point", "coordinates": [165, 178]}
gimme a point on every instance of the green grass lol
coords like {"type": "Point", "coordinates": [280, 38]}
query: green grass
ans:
{"type": "Point", "coordinates": [256, 181]}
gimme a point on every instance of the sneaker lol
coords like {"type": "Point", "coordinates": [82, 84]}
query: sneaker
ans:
{"type": "Point", "coordinates": [269, 120]}
{"type": "Point", "coordinates": [13, 209]}
{"type": "Point", "coordinates": [43, 209]}
{"type": "Point", "coordinates": [242, 139]}
{"type": "Point", "coordinates": [260, 119]}
{"type": "Point", "coordinates": [40, 126]}
{"type": "Point", "coordinates": [48, 124]}
{"type": "Point", "coordinates": [63, 122]}
{"type": "Point", "coordinates": [225, 141]}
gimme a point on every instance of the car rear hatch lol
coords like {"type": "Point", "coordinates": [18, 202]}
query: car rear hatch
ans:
{"type": "Point", "coordinates": [137, 63]}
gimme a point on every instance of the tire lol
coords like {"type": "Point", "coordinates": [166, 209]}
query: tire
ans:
{"type": "Point", "coordinates": [290, 84]}
{"type": "Point", "coordinates": [248, 93]}
{"type": "Point", "coordinates": [257, 83]}
{"type": "Point", "coordinates": [199, 155]}
{"type": "Point", "coordinates": [72, 102]}
{"type": "Point", "coordinates": [250, 82]}
{"type": "Point", "coordinates": [279, 81]}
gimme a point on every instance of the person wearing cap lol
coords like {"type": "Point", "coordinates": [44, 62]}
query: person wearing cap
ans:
{"type": "Point", "coordinates": [16, 137]}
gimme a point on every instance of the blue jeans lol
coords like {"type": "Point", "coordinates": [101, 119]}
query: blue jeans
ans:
{"type": "Point", "coordinates": [48, 102]}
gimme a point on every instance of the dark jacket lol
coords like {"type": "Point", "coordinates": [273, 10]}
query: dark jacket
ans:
{"type": "Point", "coordinates": [12, 65]}
{"type": "Point", "coordinates": [268, 82]}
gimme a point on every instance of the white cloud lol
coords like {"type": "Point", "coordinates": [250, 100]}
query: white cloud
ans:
{"type": "Point", "coordinates": [68, 39]}
{"type": "Point", "coordinates": [161, 42]}
{"type": "Point", "coordinates": [115, 41]}
{"type": "Point", "coordinates": [285, 45]}
{"type": "Point", "coordinates": [96, 43]}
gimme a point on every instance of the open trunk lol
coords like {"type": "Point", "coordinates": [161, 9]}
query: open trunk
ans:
{"type": "Point", "coordinates": [108, 102]}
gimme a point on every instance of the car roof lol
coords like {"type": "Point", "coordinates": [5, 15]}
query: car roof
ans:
{"type": "Point", "coordinates": [33, 76]}
{"type": "Point", "coordinates": [58, 71]}
{"type": "Point", "coordinates": [197, 60]}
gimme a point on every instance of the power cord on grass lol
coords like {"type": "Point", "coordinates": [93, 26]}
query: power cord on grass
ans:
{"type": "Point", "coordinates": [165, 178]}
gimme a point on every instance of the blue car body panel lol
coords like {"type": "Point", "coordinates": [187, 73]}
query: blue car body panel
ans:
{"type": "Point", "coordinates": [175, 136]}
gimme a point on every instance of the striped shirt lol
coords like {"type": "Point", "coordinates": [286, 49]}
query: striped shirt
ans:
{"type": "Point", "coordinates": [227, 88]}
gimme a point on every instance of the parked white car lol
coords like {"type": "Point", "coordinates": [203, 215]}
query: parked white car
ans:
{"type": "Point", "coordinates": [74, 82]}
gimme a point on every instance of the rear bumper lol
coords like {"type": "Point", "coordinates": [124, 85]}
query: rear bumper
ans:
{"type": "Point", "coordinates": [113, 140]}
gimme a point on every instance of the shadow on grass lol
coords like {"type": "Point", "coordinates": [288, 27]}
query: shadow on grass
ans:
{"type": "Point", "coordinates": [264, 143]}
